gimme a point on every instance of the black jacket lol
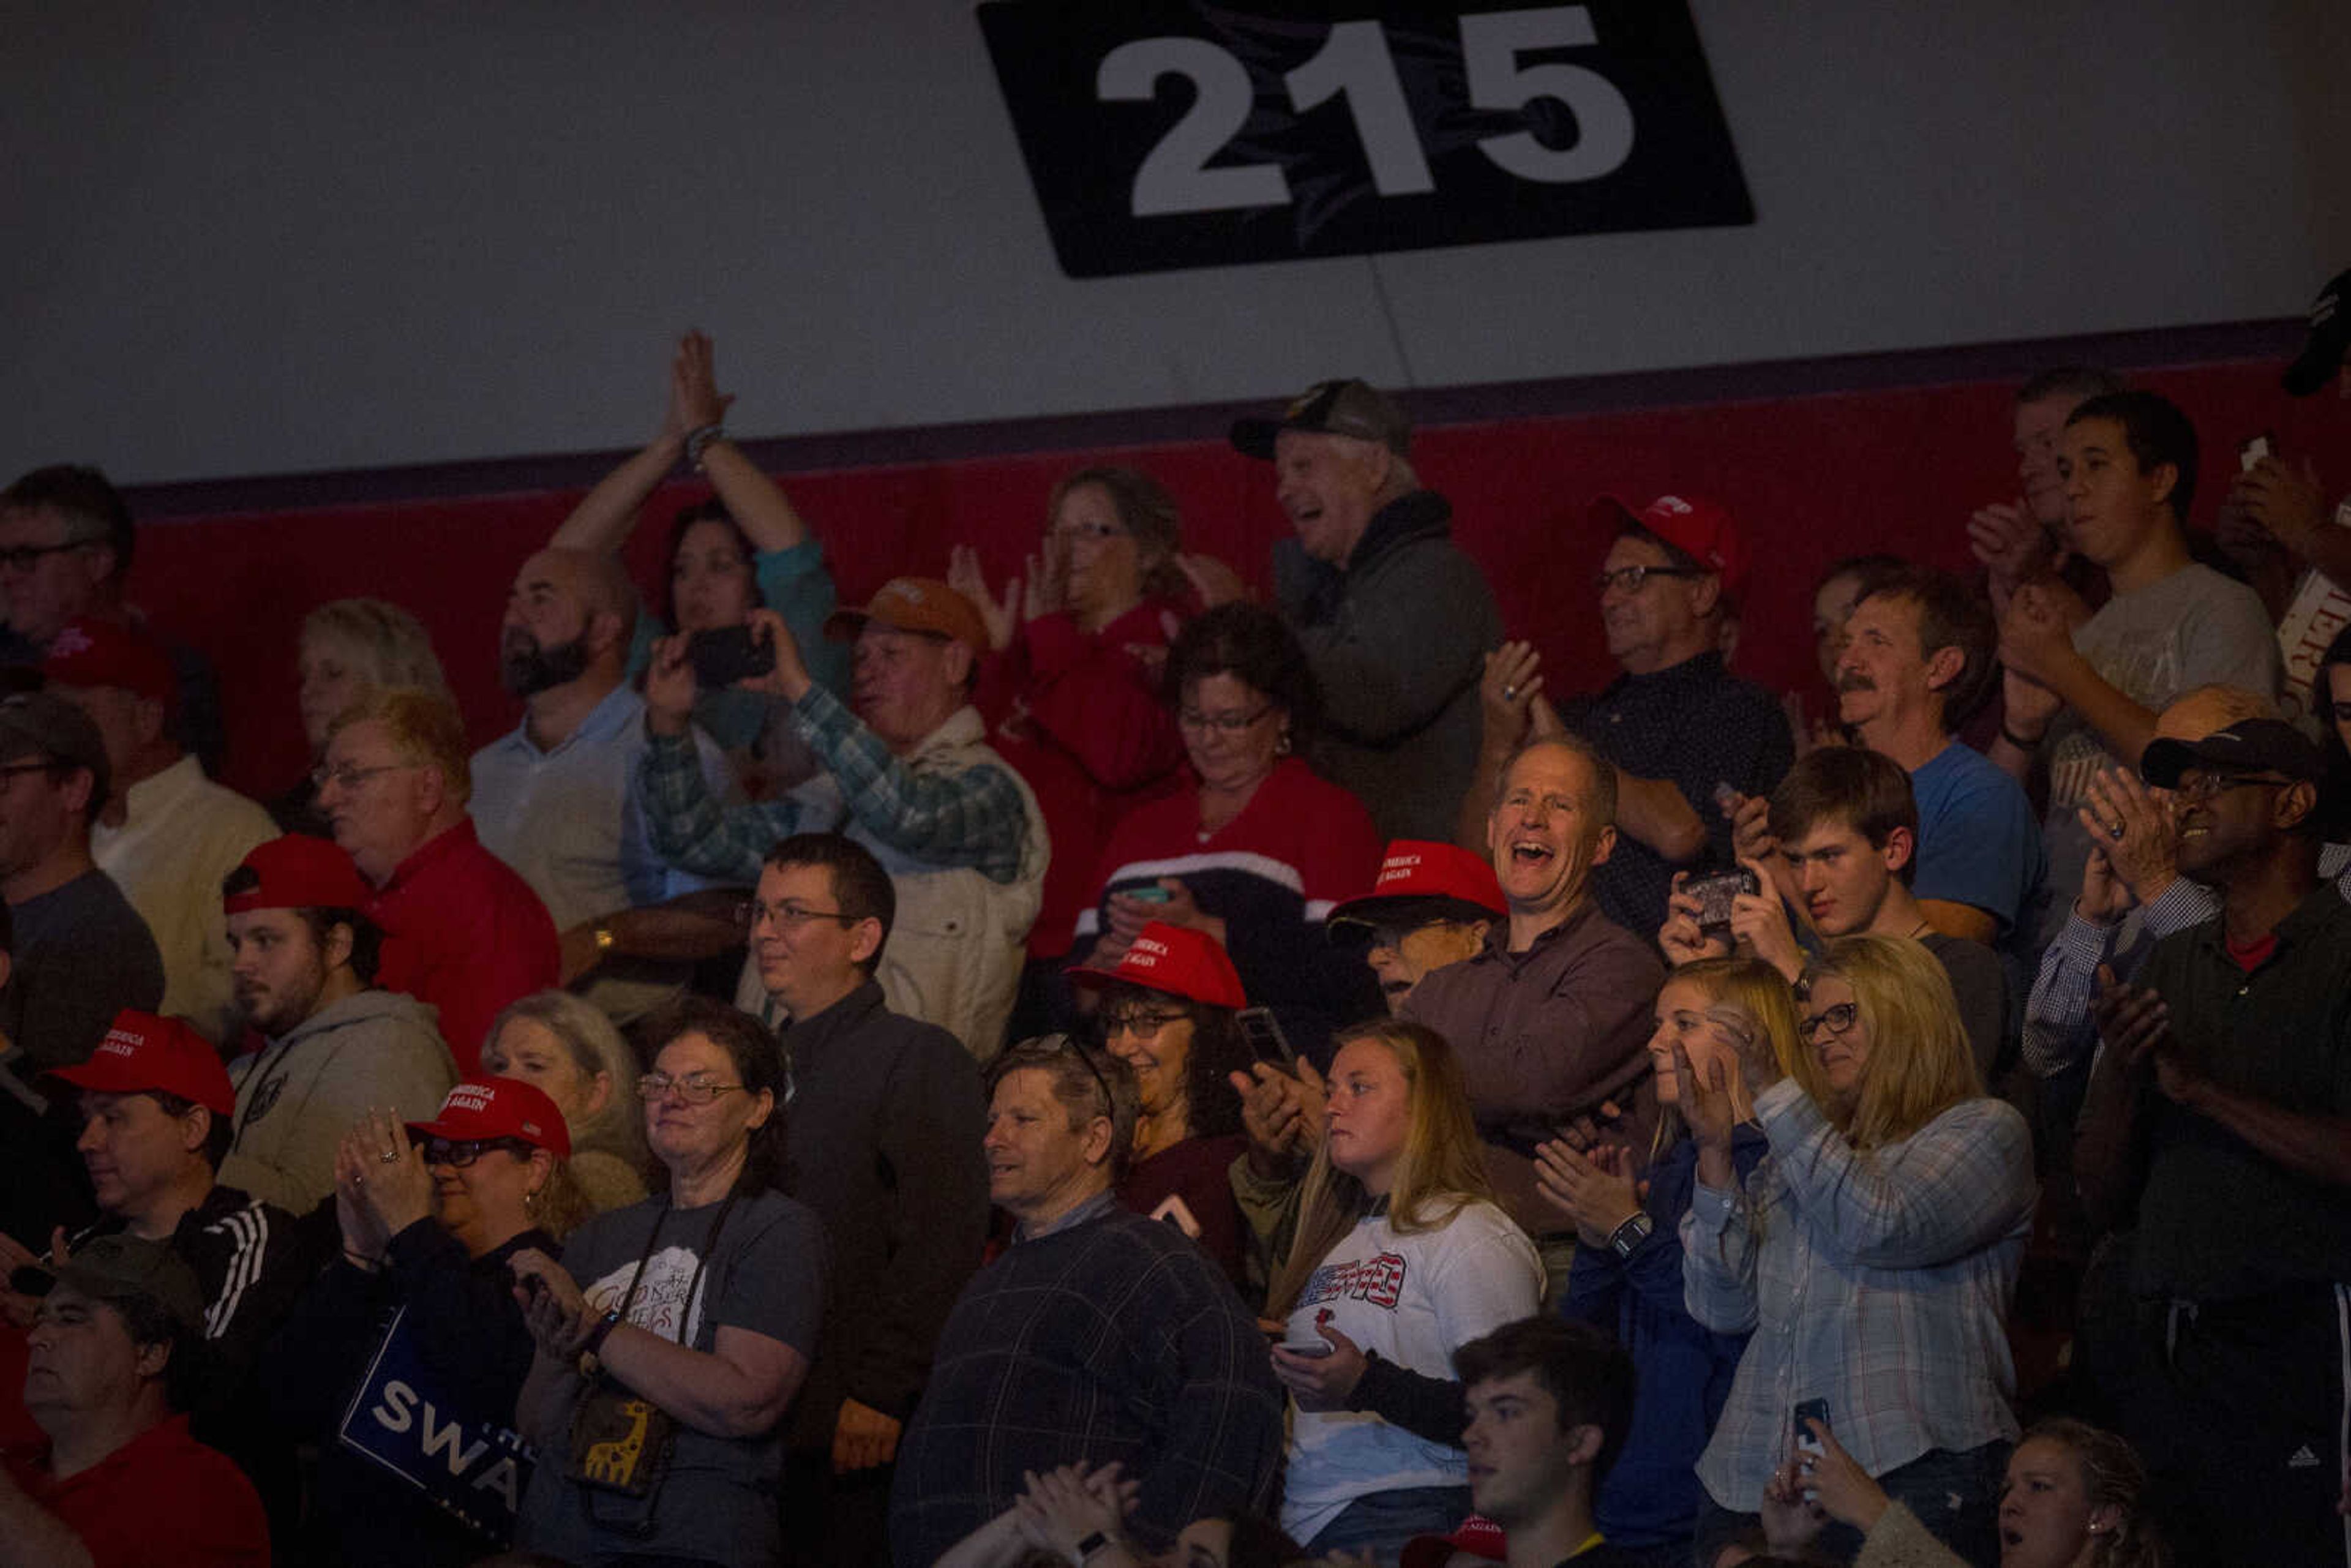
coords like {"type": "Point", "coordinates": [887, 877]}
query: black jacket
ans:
{"type": "Point", "coordinates": [881, 1139]}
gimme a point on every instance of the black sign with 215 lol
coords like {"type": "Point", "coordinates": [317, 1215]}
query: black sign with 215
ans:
{"type": "Point", "coordinates": [1168, 133]}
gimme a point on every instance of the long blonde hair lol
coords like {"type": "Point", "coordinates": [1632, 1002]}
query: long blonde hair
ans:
{"type": "Point", "coordinates": [1441, 1171]}
{"type": "Point", "coordinates": [1919, 1064]}
{"type": "Point", "coordinates": [1755, 990]}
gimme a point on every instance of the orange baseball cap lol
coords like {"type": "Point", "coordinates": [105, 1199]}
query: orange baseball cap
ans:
{"type": "Point", "coordinates": [921, 605]}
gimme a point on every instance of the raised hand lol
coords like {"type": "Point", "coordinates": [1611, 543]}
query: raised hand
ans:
{"type": "Point", "coordinates": [2138, 827]}
{"type": "Point", "coordinates": [1705, 1104]}
{"type": "Point", "coordinates": [1506, 692]}
{"type": "Point", "coordinates": [966, 578]}
{"type": "Point", "coordinates": [1212, 580]}
{"type": "Point", "coordinates": [1595, 1191]}
{"type": "Point", "coordinates": [694, 400]}
{"type": "Point", "coordinates": [1760, 920]}
{"type": "Point", "coordinates": [670, 687]}
{"type": "Point", "coordinates": [2288, 502]}
{"type": "Point", "coordinates": [2013, 545]}
{"type": "Point", "coordinates": [2134, 1023]}
{"type": "Point", "coordinates": [1682, 938]}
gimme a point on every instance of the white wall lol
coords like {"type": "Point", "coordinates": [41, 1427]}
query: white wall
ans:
{"type": "Point", "coordinates": [247, 240]}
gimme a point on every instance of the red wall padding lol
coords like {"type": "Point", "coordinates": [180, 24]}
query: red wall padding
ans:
{"type": "Point", "coordinates": [1812, 478]}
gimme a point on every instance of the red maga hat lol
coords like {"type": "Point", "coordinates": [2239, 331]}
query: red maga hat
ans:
{"type": "Point", "coordinates": [499, 1108]}
{"type": "Point", "coordinates": [298, 872]}
{"type": "Point", "coordinates": [1416, 869]}
{"type": "Point", "coordinates": [145, 1055]}
{"type": "Point", "coordinates": [93, 653]}
{"type": "Point", "coordinates": [1177, 960]}
{"type": "Point", "coordinates": [1700, 528]}
{"type": "Point", "coordinates": [1478, 1536]}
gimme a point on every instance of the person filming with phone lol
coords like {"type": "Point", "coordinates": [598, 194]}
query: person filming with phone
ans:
{"type": "Point", "coordinates": [904, 770]}
{"type": "Point", "coordinates": [1874, 1251]}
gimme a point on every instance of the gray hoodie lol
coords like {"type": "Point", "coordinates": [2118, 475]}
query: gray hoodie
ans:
{"type": "Point", "coordinates": [298, 1095]}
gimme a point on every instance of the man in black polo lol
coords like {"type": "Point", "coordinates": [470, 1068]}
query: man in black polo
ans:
{"type": "Point", "coordinates": [886, 1116]}
{"type": "Point", "coordinates": [2219, 1119]}
{"type": "Point", "coordinates": [1683, 733]}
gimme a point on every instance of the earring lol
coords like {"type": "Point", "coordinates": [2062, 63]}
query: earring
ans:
{"type": "Point", "coordinates": [1281, 746]}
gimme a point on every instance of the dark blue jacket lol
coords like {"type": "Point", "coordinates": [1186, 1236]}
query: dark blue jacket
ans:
{"type": "Point", "coordinates": [1682, 1371]}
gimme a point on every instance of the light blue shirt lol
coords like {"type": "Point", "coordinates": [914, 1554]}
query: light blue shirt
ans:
{"type": "Point", "coordinates": [571, 821]}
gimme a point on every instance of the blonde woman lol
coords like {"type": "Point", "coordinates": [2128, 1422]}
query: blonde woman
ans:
{"type": "Point", "coordinates": [566, 1045]}
{"type": "Point", "coordinates": [351, 649]}
{"type": "Point", "coordinates": [2074, 1498]}
{"type": "Point", "coordinates": [1626, 1208]}
{"type": "Point", "coordinates": [1873, 1252]}
{"type": "Point", "coordinates": [1401, 1258]}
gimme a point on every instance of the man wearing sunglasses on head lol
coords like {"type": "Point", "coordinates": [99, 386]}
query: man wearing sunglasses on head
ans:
{"type": "Point", "coordinates": [2218, 1122]}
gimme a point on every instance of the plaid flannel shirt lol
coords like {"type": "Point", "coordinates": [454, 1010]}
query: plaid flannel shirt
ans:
{"type": "Point", "coordinates": [1879, 1282]}
{"type": "Point", "coordinates": [968, 816]}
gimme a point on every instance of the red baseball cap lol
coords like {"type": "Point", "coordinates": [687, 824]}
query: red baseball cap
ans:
{"type": "Point", "coordinates": [915, 604]}
{"type": "Point", "coordinates": [93, 653]}
{"type": "Point", "coordinates": [1478, 1536]}
{"type": "Point", "coordinates": [500, 1108]}
{"type": "Point", "coordinates": [1177, 960]}
{"type": "Point", "coordinates": [1416, 869]}
{"type": "Point", "coordinates": [1700, 528]}
{"type": "Point", "coordinates": [298, 872]}
{"type": "Point", "coordinates": [145, 1055]}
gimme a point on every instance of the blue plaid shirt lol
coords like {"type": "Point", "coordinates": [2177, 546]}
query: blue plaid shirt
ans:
{"type": "Point", "coordinates": [1879, 1282]}
{"type": "Point", "coordinates": [968, 816]}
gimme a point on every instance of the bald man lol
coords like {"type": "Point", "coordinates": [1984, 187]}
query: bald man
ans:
{"type": "Point", "coordinates": [553, 798]}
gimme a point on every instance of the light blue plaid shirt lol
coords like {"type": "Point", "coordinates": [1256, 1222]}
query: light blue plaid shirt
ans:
{"type": "Point", "coordinates": [1877, 1281]}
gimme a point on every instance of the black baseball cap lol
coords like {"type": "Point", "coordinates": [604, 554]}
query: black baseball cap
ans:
{"type": "Point", "coordinates": [43, 724]}
{"type": "Point", "coordinates": [1330, 408]}
{"type": "Point", "coordinates": [118, 1267]}
{"type": "Point", "coordinates": [2330, 336]}
{"type": "Point", "coordinates": [2253, 746]}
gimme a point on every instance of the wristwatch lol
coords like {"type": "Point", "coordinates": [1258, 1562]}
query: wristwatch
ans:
{"type": "Point", "coordinates": [1092, 1543]}
{"type": "Point", "coordinates": [1631, 1234]}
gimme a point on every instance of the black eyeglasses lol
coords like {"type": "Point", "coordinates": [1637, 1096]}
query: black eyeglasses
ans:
{"type": "Point", "coordinates": [1142, 1023]}
{"type": "Point", "coordinates": [463, 1152]}
{"type": "Point", "coordinates": [1631, 577]}
{"type": "Point", "coordinates": [1835, 1019]}
{"type": "Point", "coordinates": [2202, 787]}
{"type": "Point", "coordinates": [24, 557]}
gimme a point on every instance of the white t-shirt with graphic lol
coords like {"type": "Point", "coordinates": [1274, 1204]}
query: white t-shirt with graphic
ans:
{"type": "Point", "coordinates": [1416, 1299]}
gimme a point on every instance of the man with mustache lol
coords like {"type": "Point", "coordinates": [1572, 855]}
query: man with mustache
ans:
{"type": "Point", "coordinates": [1918, 662]}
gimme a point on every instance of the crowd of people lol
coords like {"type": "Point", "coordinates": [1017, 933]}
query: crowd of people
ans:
{"type": "Point", "coordinates": [1102, 1068]}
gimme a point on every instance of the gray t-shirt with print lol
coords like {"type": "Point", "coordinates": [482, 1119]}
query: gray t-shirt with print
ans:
{"type": "Point", "coordinates": [2195, 628]}
{"type": "Point", "coordinates": [766, 1273]}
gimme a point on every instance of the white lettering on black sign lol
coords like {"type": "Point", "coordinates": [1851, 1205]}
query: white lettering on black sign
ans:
{"type": "Point", "coordinates": [1172, 134]}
